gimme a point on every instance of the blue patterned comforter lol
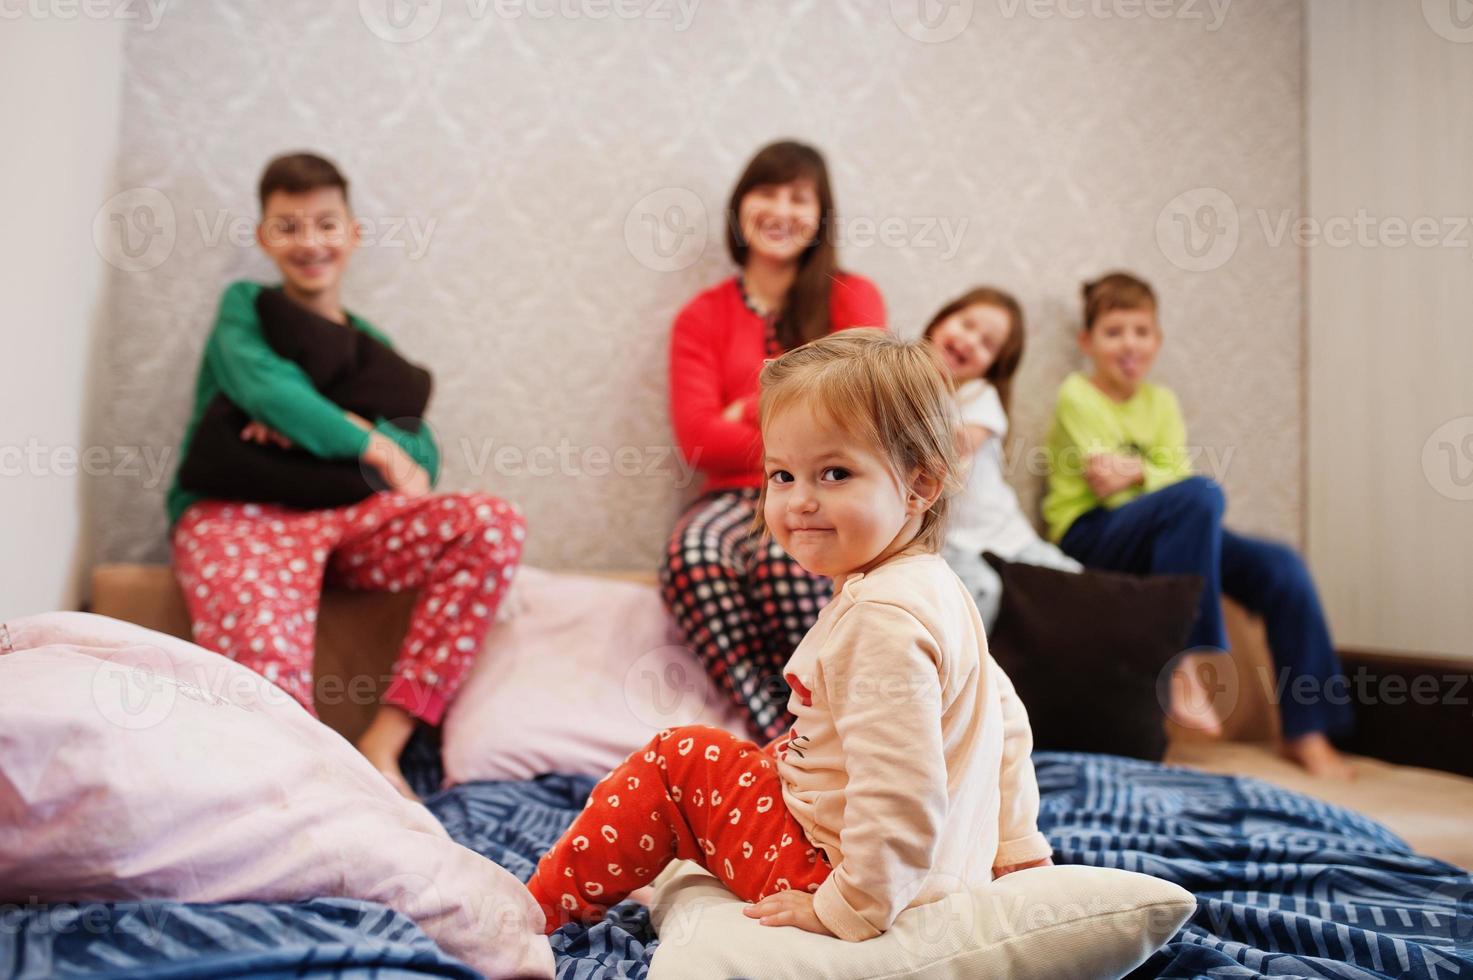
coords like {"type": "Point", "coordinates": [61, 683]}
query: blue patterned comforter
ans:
{"type": "Point", "coordinates": [1286, 885]}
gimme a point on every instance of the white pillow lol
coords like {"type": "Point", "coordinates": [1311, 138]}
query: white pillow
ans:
{"type": "Point", "coordinates": [1045, 923]}
{"type": "Point", "coordinates": [134, 765]}
{"type": "Point", "coordinates": [583, 673]}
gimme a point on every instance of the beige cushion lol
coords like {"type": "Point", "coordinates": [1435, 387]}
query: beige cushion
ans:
{"type": "Point", "coordinates": [1045, 923]}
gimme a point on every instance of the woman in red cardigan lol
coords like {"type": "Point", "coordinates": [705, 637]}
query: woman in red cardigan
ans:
{"type": "Point", "coordinates": [742, 602]}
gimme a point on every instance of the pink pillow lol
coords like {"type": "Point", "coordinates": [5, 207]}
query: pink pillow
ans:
{"type": "Point", "coordinates": [585, 672]}
{"type": "Point", "coordinates": [134, 765]}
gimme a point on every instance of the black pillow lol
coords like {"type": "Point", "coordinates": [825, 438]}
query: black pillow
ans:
{"type": "Point", "coordinates": [351, 369]}
{"type": "Point", "coordinates": [1088, 652]}
{"type": "Point", "coordinates": [359, 373]}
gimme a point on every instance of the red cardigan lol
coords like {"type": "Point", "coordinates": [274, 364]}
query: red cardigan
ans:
{"type": "Point", "coordinates": [716, 352]}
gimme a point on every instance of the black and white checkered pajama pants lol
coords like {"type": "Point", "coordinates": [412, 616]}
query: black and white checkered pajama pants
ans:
{"type": "Point", "coordinates": [742, 603]}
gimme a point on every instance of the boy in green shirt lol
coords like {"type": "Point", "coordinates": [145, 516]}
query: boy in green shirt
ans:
{"type": "Point", "coordinates": [1122, 496]}
{"type": "Point", "coordinates": [252, 573]}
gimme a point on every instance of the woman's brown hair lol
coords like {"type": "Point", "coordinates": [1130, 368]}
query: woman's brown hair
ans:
{"type": "Point", "coordinates": [805, 313]}
{"type": "Point", "coordinates": [1000, 373]}
{"type": "Point", "coordinates": [1115, 291]}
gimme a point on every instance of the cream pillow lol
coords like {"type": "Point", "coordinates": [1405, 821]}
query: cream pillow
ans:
{"type": "Point", "coordinates": [1046, 923]}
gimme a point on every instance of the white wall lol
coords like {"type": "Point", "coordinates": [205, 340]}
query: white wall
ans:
{"type": "Point", "coordinates": [1390, 488]}
{"type": "Point", "coordinates": [59, 106]}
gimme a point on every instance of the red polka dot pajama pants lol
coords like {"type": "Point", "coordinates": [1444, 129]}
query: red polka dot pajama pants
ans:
{"type": "Point", "coordinates": [697, 793]}
{"type": "Point", "coordinates": [252, 576]}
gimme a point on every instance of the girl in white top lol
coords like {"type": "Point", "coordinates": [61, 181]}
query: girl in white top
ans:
{"type": "Point", "coordinates": [979, 337]}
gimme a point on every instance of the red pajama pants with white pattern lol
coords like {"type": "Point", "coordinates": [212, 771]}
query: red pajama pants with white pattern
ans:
{"type": "Point", "coordinates": [253, 574]}
{"type": "Point", "coordinates": [696, 793]}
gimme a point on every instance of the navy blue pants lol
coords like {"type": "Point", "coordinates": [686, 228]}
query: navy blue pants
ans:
{"type": "Point", "coordinates": [1178, 530]}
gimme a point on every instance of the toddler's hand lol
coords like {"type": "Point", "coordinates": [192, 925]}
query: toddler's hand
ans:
{"type": "Point", "coordinates": [1007, 869]}
{"type": "Point", "coordinates": [788, 908]}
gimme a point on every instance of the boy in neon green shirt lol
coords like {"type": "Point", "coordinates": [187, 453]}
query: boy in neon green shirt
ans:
{"type": "Point", "coordinates": [1122, 496]}
{"type": "Point", "coordinates": [1088, 424]}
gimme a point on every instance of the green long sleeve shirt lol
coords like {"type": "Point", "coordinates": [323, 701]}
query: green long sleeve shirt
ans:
{"type": "Point", "coordinates": [240, 363]}
{"type": "Point", "coordinates": [1087, 421]}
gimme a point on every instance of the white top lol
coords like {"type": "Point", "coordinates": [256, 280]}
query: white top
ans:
{"type": "Point", "coordinates": [986, 515]}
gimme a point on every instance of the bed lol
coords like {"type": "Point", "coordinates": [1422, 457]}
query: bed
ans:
{"type": "Point", "coordinates": [1287, 886]}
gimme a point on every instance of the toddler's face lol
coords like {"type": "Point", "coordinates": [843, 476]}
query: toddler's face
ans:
{"type": "Point", "coordinates": [1123, 346]}
{"type": "Point", "coordinates": [309, 236]}
{"type": "Point", "coordinates": [970, 338]}
{"type": "Point", "coordinates": [834, 506]}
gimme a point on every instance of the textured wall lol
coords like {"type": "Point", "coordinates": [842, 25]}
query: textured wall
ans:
{"type": "Point", "coordinates": [545, 192]}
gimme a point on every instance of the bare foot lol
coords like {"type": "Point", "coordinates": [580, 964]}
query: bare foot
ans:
{"type": "Point", "coordinates": [1318, 757]}
{"type": "Point", "coordinates": [1191, 701]}
{"type": "Point", "coordinates": [384, 740]}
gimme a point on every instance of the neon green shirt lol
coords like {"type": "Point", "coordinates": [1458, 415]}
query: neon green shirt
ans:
{"type": "Point", "coordinates": [1088, 421]}
{"type": "Point", "coordinates": [241, 364]}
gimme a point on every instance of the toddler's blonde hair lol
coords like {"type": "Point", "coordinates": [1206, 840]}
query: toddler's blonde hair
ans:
{"type": "Point", "coordinates": [890, 394]}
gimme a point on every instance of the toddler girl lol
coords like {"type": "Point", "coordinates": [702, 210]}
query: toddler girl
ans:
{"type": "Point", "coordinates": [906, 774]}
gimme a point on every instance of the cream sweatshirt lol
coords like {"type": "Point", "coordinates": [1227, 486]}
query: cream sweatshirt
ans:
{"type": "Point", "coordinates": [909, 763]}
